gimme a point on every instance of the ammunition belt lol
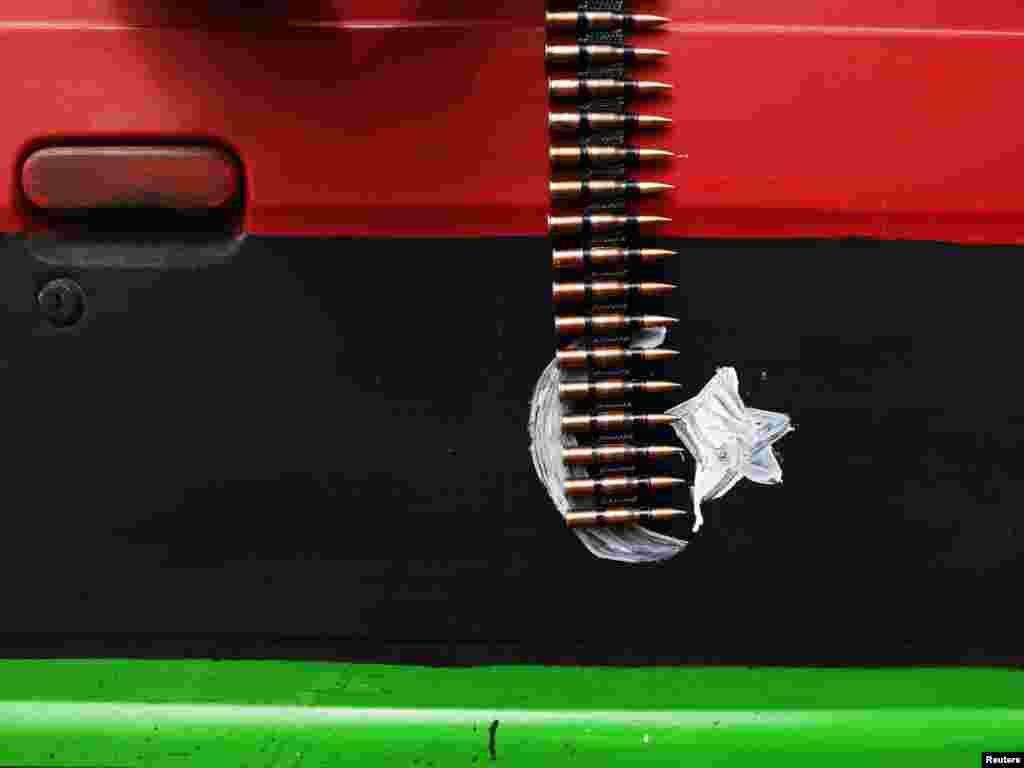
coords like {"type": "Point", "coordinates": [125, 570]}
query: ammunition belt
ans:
{"type": "Point", "coordinates": [615, 95]}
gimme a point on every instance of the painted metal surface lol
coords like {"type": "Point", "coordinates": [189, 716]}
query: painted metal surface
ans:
{"type": "Point", "coordinates": [860, 123]}
{"type": "Point", "coordinates": [130, 713]}
{"type": "Point", "coordinates": [204, 388]}
{"type": "Point", "coordinates": [809, 119]}
{"type": "Point", "coordinates": [349, 118]}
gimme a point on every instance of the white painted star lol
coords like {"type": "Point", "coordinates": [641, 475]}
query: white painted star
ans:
{"type": "Point", "coordinates": [728, 440]}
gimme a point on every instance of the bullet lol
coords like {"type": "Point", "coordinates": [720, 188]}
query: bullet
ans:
{"type": "Point", "coordinates": [573, 20]}
{"type": "Point", "coordinates": [614, 389]}
{"type": "Point", "coordinates": [615, 422]}
{"type": "Point", "coordinates": [618, 454]}
{"type": "Point", "coordinates": [609, 357]}
{"type": "Point", "coordinates": [599, 54]}
{"type": "Point", "coordinates": [620, 516]}
{"type": "Point", "coordinates": [604, 87]}
{"type": "Point", "coordinates": [584, 258]}
{"type": "Point", "coordinates": [600, 188]}
{"type": "Point", "coordinates": [620, 486]}
{"type": "Point", "coordinates": [597, 324]}
{"type": "Point", "coordinates": [583, 122]}
{"type": "Point", "coordinates": [588, 157]}
{"type": "Point", "coordinates": [565, 292]}
{"type": "Point", "coordinates": [571, 225]}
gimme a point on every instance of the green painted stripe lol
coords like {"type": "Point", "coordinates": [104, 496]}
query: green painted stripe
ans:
{"type": "Point", "coordinates": [115, 713]}
{"type": "Point", "coordinates": [507, 687]}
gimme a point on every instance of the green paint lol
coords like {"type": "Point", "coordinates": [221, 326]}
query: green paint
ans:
{"type": "Point", "coordinates": [221, 714]}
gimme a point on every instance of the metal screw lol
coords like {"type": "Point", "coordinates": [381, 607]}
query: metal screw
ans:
{"type": "Point", "coordinates": [62, 302]}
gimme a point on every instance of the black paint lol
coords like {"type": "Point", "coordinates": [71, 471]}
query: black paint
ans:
{"type": "Point", "coordinates": [235, 458]}
{"type": "Point", "coordinates": [492, 733]}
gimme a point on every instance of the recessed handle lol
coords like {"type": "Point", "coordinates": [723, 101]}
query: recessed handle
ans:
{"type": "Point", "coordinates": [180, 178]}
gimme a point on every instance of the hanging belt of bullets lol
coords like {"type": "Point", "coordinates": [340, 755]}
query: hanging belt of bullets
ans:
{"type": "Point", "coordinates": [601, 265]}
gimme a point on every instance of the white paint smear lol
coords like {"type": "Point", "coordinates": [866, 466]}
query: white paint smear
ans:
{"type": "Point", "coordinates": [727, 440]}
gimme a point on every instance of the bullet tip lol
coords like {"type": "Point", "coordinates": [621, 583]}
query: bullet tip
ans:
{"type": "Point", "coordinates": [650, 18]}
{"type": "Point", "coordinates": [653, 85]}
{"type": "Point", "coordinates": [652, 187]}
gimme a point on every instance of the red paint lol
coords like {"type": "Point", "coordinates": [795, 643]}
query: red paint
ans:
{"type": "Point", "coordinates": [398, 117]}
{"type": "Point", "coordinates": [236, 13]}
{"type": "Point", "coordinates": [422, 124]}
{"type": "Point", "coordinates": [827, 131]}
{"type": "Point", "coordinates": [65, 178]}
